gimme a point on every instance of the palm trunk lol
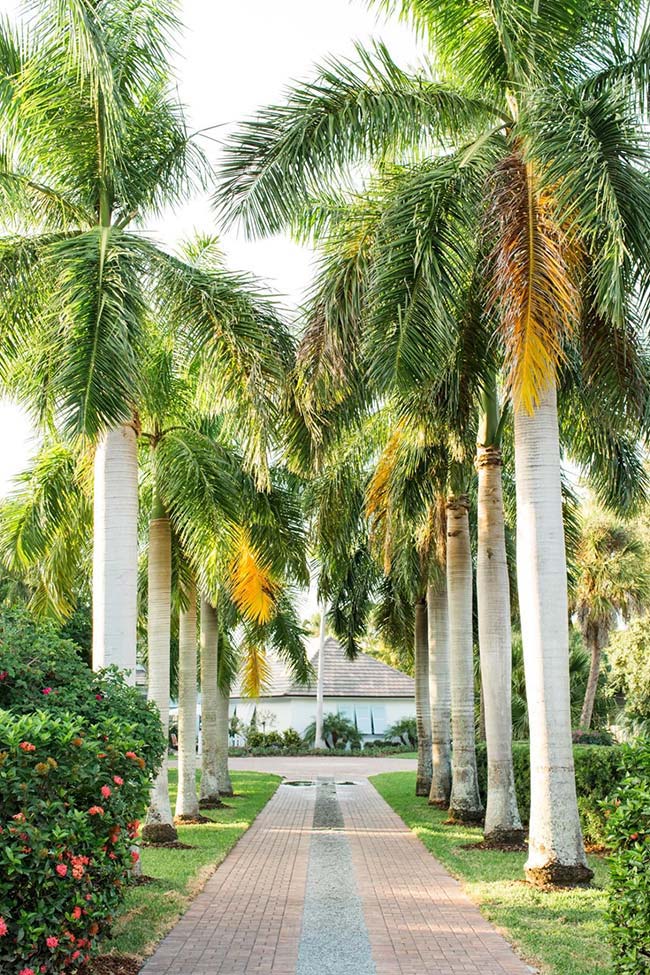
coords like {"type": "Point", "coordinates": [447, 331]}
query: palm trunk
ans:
{"type": "Point", "coordinates": [465, 802]}
{"type": "Point", "coordinates": [209, 792]}
{"type": "Point", "coordinates": [115, 551]}
{"type": "Point", "coordinates": [159, 825]}
{"type": "Point", "coordinates": [187, 802]}
{"type": "Point", "coordinates": [422, 704]}
{"type": "Point", "coordinates": [439, 694]}
{"type": "Point", "coordinates": [595, 637]}
{"type": "Point", "coordinates": [556, 849]}
{"type": "Point", "coordinates": [502, 821]}
{"type": "Point", "coordinates": [223, 720]}
{"type": "Point", "coordinates": [318, 740]}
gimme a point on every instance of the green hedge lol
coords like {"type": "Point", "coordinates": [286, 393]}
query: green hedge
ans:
{"type": "Point", "coordinates": [598, 771]}
{"type": "Point", "coordinates": [628, 819]}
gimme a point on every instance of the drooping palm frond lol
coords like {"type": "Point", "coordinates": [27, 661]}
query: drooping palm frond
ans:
{"type": "Point", "coordinates": [533, 280]}
{"type": "Point", "coordinates": [45, 527]}
{"type": "Point", "coordinates": [288, 153]}
{"type": "Point", "coordinates": [250, 582]}
{"type": "Point", "coordinates": [590, 159]}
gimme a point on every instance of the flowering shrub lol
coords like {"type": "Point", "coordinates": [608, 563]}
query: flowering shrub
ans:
{"type": "Point", "coordinates": [629, 837]}
{"type": "Point", "coordinates": [78, 752]}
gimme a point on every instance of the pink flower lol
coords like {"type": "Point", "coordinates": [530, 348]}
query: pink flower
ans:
{"type": "Point", "coordinates": [26, 971]}
{"type": "Point", "coordinates": [135, 856]}
{"type": "Point", "coordinates": [46, 690]}
{"type": "Point", "coordinates": [76, 913]}
{"type": "Point", "coordinates": [3, 927]}
{"type": "Point", "coordinates": [3, 674]}
{"type": "Point", "coordinates": [105, 791]}
{"type": "Point", "coordinates": [117, 780]}
{"type": "Point", "coordinates": [61, 869]}
{"type": "Point", "coordinates": [130, 755]}
{"type": "Point", "coordinates": [95, 811]}
{"type": "Point", "coordinates": [27, 746]}
{"type": "Point", "coordinates": [99, 697]}
{"type": "Point", "coordinates": [52, 942]}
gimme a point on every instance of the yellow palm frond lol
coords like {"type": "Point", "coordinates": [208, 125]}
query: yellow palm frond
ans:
{"type": "Point", "coordinates": [256, 672]}
{"type": "Point", "coordinates": [250, 581]}
{"type": "Point", "coordinates": [534, 267]}
{"type": "Point", "coordinates": [379, 504]}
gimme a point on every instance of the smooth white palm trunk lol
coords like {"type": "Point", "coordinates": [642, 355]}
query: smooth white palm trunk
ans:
{"type": "Point", "coordinates": [556, 849]}
{"type": "Point", "coordinates": [115, 551]}
{"type": "Point", "coordinates": [422, 704]}
{"type": "Point", "coordinates": [209, 660]}
{"type": "Point", "coordinates": [319, 741]}
{"type": "Point", "coordinates": [187, 801]}
{"type": "Point", "coordinates": [223, 720]}
{"type": "Point", "coordinates": [502, 821]}
{"type": "Point", "coordinates": [159, 824]}
{"type": "Point", "coordinates": [439, 694]}
{"type": "Point", "coordinates": [465, 802]}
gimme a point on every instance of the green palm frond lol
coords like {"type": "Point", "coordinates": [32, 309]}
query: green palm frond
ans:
{"type": "Point", "coordinates": [351, 111]}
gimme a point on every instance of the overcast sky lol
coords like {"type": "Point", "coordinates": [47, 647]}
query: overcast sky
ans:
{"type": "Point", "coordinates": [233, 57]}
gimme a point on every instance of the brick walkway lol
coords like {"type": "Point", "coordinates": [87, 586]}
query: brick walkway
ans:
{"type": "Point", "coordinates": [248, 919]}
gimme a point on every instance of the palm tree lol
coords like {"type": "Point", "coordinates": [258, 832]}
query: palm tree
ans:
{"type": "Point", "coordinates": [439, 692]}
{"type": "Point", "coordinates": [97, 145]}
{"type": "Point", "coordinates": [502, 820]}
{"type": "Point", "coordinates": [548, 178]}
{"type": "Point", "coordinates": [187, 801]}
{"type": "Point", "coordinates": [612, 580]}
{"type": "Point", "coordinates": [422, 699]}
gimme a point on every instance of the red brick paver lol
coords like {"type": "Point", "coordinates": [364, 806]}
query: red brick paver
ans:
{"type": "Point", "coordinates": [247, 918]}
{"type": "Point", "coordinates": [419, 919]}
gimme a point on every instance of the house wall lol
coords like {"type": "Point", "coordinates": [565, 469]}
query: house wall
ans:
{"type": "Point", "coordinates": [373, 715]}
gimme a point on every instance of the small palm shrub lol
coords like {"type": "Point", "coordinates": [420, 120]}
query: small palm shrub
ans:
{"type": "Point", "coordinates": [406, 730]}
{"type": "Point", "coordinates": [338, 732]}
{"type": "Point", "coordinates": [629, 837]}
{"type": "Point", "coordinates": [78, 752]}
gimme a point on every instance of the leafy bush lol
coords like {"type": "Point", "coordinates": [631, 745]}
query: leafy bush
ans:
{"type": "Point", "coordinates": [629, 660]}
{"type": "Point", "coordinates": [291, 740]}
{"type": "Point", "coordinates": [338, 732]}
{"type": "Point", "coordinates": [78, 752]}
{"type": "Point", "coordinates": [581, 737]}
{"type": "Point", "coordinates": [260, 739]}
{"type": "Point", "coordinates": [406, 730]}
{"type": "Point", "coordinates": [598, 769]}
{"type": "Point", "coordinates": [629, 837]}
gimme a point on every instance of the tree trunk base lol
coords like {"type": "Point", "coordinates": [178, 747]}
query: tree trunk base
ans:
{"type": "Point", "coordinates": [212, 801]}
{"type": "Point", "coordinates": [422, 787]}
{"type": "Point", "coordinates": [466, 817]}
{"type": "Point", "coordinates": [504, 837]}
{"type": "Point", "coordinates": [559, 875]}
{"type": "Point", "coordinates": [157, 833]}
{"type": "Point", "coordinates": [227, 791]}
{"type": "Point", "coordinates": [439, 803]}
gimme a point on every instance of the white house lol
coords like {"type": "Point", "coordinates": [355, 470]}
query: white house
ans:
{"type": "Point", "coordinates": [365, 690]}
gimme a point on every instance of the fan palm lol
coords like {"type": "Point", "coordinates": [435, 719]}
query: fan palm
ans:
{"type": "Point", "coordinates": [547, 177]}
{"type": "Point", "coordinates": [96, 144]}
{"type": "Point", "coordinates": [611, 580]}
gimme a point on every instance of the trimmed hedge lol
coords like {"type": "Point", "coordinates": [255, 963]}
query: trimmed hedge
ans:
{"type": "Point", "coordinates": [628, 821]}
{"type": "Point", "coordinates": [598, 771]}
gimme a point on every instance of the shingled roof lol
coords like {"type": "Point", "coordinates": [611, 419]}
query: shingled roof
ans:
{"type": "Point", "coordinates": [362, 677]}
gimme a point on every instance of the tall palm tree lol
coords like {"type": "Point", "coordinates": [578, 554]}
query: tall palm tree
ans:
{"type": "Point", "coordinates": [187, 801]}
{"type": "Point", "coordinates": [97, 145]}
{"type": "Point", "coordinates": [542, 104]}
{"type": "Point", "coordinates": [611, 581]}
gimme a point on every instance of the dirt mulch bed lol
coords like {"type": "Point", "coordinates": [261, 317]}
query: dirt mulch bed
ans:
{"type": "Point", "coordinates": [172, 845]}
{"type": "Point", "coordinates": [500, 847]}
{"type": "Point", "coordinates": [207, 804]}
{"type": "Point", "coordinates": [113, 965]}
{"type": "Point", "coordinates": [142, 880]}
{"type": "Point", "coordinates": [191, 820]}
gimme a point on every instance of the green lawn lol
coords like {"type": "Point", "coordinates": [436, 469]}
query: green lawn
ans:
{"type": "Point", "coordinates": [563, 932]}
{"type": "Point", "coordinates": [151, 910]}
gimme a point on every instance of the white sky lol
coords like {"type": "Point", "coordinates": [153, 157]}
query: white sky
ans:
{"type": "Point", "coordinates": [234, 57]}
